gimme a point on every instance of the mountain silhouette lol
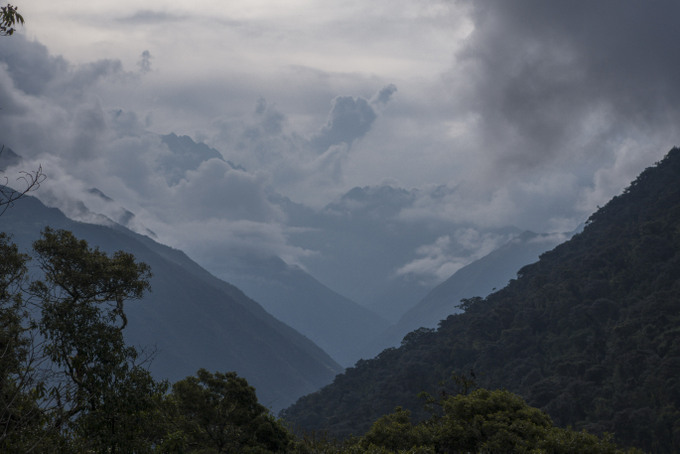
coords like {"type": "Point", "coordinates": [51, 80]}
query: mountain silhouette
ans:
{"type": "Point", "coordinates": [589, 333]}
{"type": "Point", "coordinates": [191, 319]}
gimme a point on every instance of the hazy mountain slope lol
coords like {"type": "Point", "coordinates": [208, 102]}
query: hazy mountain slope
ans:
{"type": "Point", "coordinates": [349, 282]}
{"type": "Point", "coordinates": [589, 333]}
{"type": "Point", "coordinates": [339, 326]}
{"type": "Point", "coordinates": [192, 318]}
{"type": "Point", "coordinates": [363, 239]}
{"type": "Point", "coordinates": [479, 278]}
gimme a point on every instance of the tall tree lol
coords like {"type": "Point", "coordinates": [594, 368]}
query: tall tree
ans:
{"type": "Point", "coordinates": [101, 395]}
{"type": "Point", "coordinates": [220, 413]}
{"type": "Point", "coordinates": [20, 416]}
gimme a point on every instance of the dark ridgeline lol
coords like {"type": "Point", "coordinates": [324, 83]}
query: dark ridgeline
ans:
{"type": "Point", "coordinates": [590, 333]}
{"type": "Point", "coordinates": [478, 278]}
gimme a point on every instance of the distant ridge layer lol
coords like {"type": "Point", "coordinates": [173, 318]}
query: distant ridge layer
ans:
{"type": "Point", "coordinates": [590, 333]}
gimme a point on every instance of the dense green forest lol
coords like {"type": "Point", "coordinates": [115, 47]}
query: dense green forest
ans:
{"type": "Point", "coordinates": [69, 383]}
{"type": "Point", "coordinates": [590, 333]}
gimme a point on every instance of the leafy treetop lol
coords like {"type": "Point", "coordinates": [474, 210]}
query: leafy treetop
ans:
{"type": "Point", "coordinates": [9, 18]}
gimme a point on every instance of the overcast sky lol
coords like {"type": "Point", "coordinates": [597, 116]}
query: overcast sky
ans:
{"type": "Point", "coordinates": [531, 113]}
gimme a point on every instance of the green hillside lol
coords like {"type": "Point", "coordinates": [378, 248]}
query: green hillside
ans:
{"type": "Point", "coordinates": [590, 333]}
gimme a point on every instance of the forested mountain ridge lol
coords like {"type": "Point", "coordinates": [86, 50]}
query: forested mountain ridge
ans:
{"type": "Point", "coordinates": [589, 333]}
{"type": "Point", "coordinates": [478, 278]}
{"type": "Point", "coordinates": [299, 300]}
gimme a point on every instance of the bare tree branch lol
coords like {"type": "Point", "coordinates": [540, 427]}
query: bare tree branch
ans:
{"type": "Point", "coordinates": [28, 181]}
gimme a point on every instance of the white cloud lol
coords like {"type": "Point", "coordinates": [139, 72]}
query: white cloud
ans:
{"type": "Point", "coordinates": [218, 243]}
{"type": "Point", "coordinates": [449, 253]}
{"type": "Point", "coordinates": [504, 115]}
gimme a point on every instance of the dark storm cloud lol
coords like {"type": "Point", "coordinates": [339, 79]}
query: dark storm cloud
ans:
{"type": "Point", "coordinates": [35, 72]}
{"type": "Point", "coordinates": [55, 100]}
{"type": "Point", "coordinates": [66, 125]}
{"type": "Point", "coordinates": [350, 118]}
{"type": "Point", "coordinates": [29, 64]}
{"type": "Point", "coordinates": [384, 95]}
{"type": "Point", "coordinates": [86, 75]}
{"type": "Point", "coordinates": [548, 78]}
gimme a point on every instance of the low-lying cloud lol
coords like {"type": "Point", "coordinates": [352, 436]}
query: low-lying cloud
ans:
{"type": "Point", "coordinates": [539, 112]}
{"type": "Point", "coordinates": [437, 261]}
{"type": "Point", "coordinates": [86, 146]}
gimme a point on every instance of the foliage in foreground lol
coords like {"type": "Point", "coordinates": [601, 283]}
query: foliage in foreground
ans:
{"type": "Point", "coordinates": [480, 422]}
{"type": "Point", "coordinates": [9, 19]}
{"type": "Point", "coordinates": [70, 383]}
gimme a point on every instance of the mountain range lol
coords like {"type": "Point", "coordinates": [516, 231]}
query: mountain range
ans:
{"type": "Point", "coordinates": [360, 249]}
{"type": "Point", "coordinates": [562, 334]}
{"type": "Point", "coordinates": [191, 319]}
{"type": "Point", "coordinates": [478, 279]}
{"type": "Point", "coordinates": [341, 327]}
{"type": "Point", "coordinates": [360, 240]}
{"type": "Point", "coordinates": [355, 277]}
{"type": "Point", "coordinates": [588, 333]}
{"type": "Point", "coordinates": [365, 240]}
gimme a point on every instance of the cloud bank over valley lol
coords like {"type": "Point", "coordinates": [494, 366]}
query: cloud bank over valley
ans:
{"type": "Point", "coordinates": [255, 128]}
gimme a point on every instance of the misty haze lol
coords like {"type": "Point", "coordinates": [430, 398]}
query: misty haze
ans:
{"type": "Point", "coordinates": [247, 224]}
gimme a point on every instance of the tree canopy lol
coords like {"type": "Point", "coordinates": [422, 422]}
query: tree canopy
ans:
{"type": "Point", "coordinates": [66, 370]}
{"type": "Point", "coordinates": [70, 383]}
{"type": "Point", "coordinates": [9, 19]}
